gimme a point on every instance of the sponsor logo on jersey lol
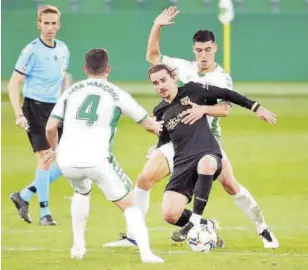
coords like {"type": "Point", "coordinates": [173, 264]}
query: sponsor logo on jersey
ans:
{"type": "Point", "coordinates": [173, 122]}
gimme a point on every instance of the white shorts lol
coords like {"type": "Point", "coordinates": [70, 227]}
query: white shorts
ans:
{"type": "Point", "coordinates": [168, 151]}
{"type": "Point", "coordinates": [109, 177]}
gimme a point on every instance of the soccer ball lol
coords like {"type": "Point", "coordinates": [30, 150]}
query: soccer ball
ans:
{"type": "Point", "coordinates": [201, 238]}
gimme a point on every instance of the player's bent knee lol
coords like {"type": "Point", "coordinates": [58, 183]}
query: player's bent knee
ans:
{"type": "Point", "coordinates": [171, 216]}
{"type": "Point", "coordinates": [207, 165]}
{"type": "Point", "coordinates": [173, 206]}
{"type": "Point", "coordinates": [125, 202]}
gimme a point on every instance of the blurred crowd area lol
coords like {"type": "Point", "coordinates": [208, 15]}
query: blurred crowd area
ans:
{"type": "Point", "coordinates": [245, 6]}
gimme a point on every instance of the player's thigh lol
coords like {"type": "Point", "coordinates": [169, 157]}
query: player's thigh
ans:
{"type": "Point", "coordinates": [77, 177]}
{"type": "Point", "coordinates": [112, 181]}
{"type": "Point", "coordinates": [155, 169]}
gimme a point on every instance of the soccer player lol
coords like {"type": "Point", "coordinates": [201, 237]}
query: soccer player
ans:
{"type": "Point", "coordinates": [42, 67]}
{"type": "Point", "coordinates": [160, 164]}
{"type": "Point", "coordinates": [90, 111]}
{"type": "Point", "coordinates": [197, 158]}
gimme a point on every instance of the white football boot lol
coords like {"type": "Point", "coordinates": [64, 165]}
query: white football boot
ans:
{"type": "Point", "coordinates": [151, 258]}
{"type": "Point", "coordinates": [123, 242]}
{"type": "Point", "coordinates": [269, 239]}
{"type": "Point", "coordinates": [77, 253]}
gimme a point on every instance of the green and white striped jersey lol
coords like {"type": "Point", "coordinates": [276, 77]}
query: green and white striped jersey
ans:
{"type": "Point", "coordinates": [90, 111]}
{"type": "Point", "coordinates": [188, 71]}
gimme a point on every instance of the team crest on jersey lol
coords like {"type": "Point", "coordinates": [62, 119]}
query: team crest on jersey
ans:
{"type": "Point", "coordinates": [24, 69]}
{"type": "Point", "coordinates": [185, 101]}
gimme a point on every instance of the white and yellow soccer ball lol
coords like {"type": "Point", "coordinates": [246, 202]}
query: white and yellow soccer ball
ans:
{"type": "Point", "coordinates": [202, 239]}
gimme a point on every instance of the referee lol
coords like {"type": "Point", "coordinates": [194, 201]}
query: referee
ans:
{"type": "Point", "coordinates": [41, 66]}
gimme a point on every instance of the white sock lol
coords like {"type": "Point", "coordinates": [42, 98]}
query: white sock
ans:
{"type": "Point", "coordinates": [195, 219]}
{"type": "Point", "coordinates": [244, 200]}
{"type": "Point", "coordinates": [142, 200]}
{"type": "Point", "coordinates": [80, 208]}
{"type": "Point", "coordinates": [136, 224]}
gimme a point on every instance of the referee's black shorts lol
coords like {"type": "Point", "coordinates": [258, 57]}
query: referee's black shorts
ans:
{"type": "Point", "coordinates": [185, 176]}
{"type": "Point", "coordinates": [37, 114]}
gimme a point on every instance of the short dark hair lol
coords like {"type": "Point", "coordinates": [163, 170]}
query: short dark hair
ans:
{"type": "Point", "coordinates": [159, 67]}
{"type": "Point", "coordinates": [203, 36]}
{"type": "Point", "coordinates": [97, 61]}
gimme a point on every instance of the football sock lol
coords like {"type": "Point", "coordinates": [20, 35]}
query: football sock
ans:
{"type": "Point", "coordinates": [136, 225]}
{"type": "Point", "coordinates": [142, 200]}
{"type": "Point", "coordinates": [202, 191]}
{"type": "Point", "coordinates": [184, 218]}
{"type": "Point", "coordinates": [42, 185]}
{"type": "Point", "coordinates": [55, 173]}
{"type": "Point", "coordinates": [80, 208]}
{"type": "Point", "coordinates": [28, 192]}
{"type": "Point", "coordinates": [244, 200]}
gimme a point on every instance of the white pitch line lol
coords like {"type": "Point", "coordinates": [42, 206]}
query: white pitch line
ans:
{"type": "Point", "coordinates": [170, 252]}
{"type": "Point", "coordinates": [227, 228]}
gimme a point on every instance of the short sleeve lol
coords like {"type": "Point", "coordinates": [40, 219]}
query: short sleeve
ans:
{"type": "Point", "coordinates": [229, 82]}
{"type": "Point", "coordinates": [59, 109]}
{"type": "Point", "coordinates": [175, 63]}
{"type": "Point", "coordinates": [25, 61]}
{"type": "Point", "coordinates": [130, 107]}
{"type": "Point", "coordinates": [67, 57]}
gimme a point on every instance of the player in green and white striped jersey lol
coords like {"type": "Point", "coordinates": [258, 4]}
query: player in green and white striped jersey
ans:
{"type": "Point", "coordinates": [203, 70]}
{"type": "Point", "coordinates": [90, 111]}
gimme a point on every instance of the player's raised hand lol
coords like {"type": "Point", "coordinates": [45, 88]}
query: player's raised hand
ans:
{"type": "Point", "coordinates": [266, 115]}
{"type": "Point", "coordinates": [22, 122]}
{"type": "Point", "coordinates": [167, 16]}
{"type": "Point", "coordinates": [193, 114]}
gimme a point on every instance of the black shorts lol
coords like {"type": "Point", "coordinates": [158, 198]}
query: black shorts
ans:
{"type": "Point", "coordinates": [184, 177]}
{"type": "Point", "coordinates": [37, 114]}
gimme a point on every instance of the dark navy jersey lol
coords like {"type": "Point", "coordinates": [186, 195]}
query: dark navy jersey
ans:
{"type": "Point", "coordinates": [193, 140]}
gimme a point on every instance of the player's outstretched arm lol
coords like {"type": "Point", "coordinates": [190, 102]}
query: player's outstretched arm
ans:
{"type": "Point", "coordinates": [14, 95]}
{"type": "Point", "coordinates": [236, 98]}
{"type": "Point", "coordinates": [151, 125]}
{"type": "Point", "coordinates": [196, 112]}
{"type": "Point", "coordinates": [153, 54]}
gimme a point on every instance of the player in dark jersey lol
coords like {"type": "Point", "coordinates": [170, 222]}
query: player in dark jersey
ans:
{"type": "Point", "coordinates": [197, 160]}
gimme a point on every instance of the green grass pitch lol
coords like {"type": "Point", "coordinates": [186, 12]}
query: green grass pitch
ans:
{"type": "Point", "coordinates": [269, 160]}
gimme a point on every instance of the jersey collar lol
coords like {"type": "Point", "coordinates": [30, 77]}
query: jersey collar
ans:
{"type": "Point", "coordinates": [204, 74]}
{"type": "Point", "coordinates": [48, 45]}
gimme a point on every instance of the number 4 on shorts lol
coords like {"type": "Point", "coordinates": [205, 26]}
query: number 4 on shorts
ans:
{"type": "Point", "coordinates": [88, 109]}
